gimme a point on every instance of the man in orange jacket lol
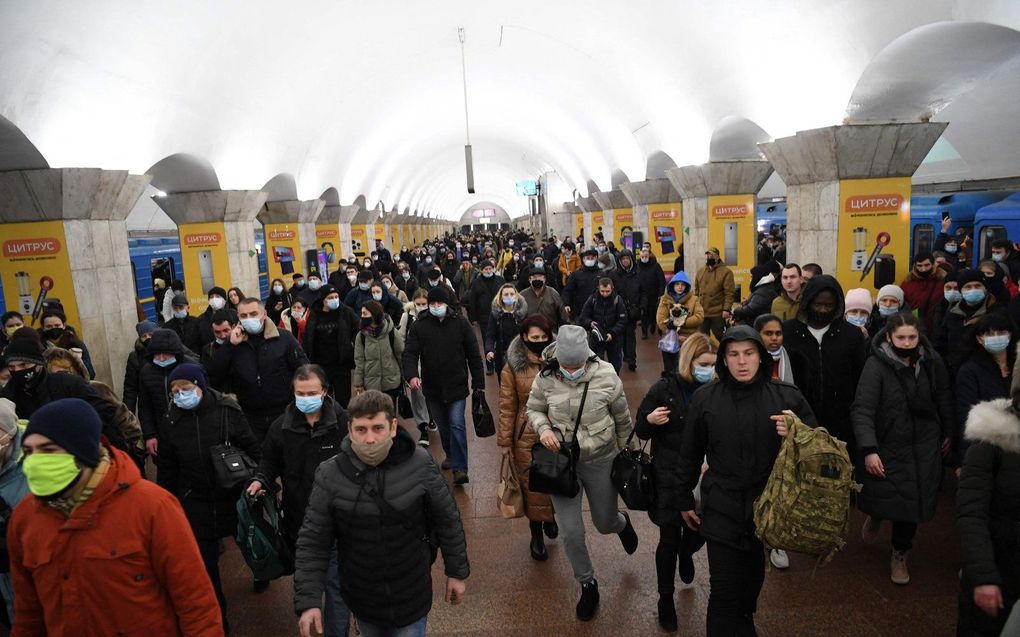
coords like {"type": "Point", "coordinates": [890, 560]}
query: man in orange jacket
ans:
{"type": "Point", "coordinates": [98, 551]}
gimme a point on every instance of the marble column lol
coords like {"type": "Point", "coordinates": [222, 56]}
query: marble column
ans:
{"type": "Point", "coordinates": [813, 162]}
{"type": "Point", "coordinates": [696, 183]}
{"type": "Point", "coordinates": [92, 204]}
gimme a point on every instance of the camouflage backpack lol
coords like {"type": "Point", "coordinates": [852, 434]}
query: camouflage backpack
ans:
{"type": "Point", "coordinates": [805, 507]}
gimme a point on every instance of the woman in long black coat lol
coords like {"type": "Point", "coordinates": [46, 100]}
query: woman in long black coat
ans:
{"type": "Point", "coordinates": [200, 418]}
{"type": "Point", "coordinates": [904, 420]}
{"type": "Point", "coordinates": [988, 512]}
{"type": "Point", "coordinates": [987, 368]}
{"type": "Point", "coordinates": [660, 418]}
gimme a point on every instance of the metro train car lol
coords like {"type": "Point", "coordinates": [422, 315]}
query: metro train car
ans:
{"type": "Point", "coordinates": [1000, 220]}
{"type": "Point", "coordinates": [927, 211]}
{"type": "Point", "coordinates": [770, 214]}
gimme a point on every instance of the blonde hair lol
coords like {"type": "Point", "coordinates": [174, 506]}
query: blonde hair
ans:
{"type": "Point", "coordinates": [497, 301]}
{"type": "Point", "coordinates": [65, 360]}
{"type": "Point", "coordinates": [694, 346]}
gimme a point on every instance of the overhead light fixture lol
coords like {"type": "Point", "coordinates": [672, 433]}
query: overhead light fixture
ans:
{"type": "Point", "coordinates": [468, 161]}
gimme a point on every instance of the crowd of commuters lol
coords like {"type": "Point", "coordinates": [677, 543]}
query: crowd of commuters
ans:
{"type": "Point", "coordinates": [308, 384]}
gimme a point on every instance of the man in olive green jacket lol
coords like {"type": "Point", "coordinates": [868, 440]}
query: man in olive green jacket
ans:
{"type": "Point", "coordinates": [714, 287]}
{"type": "Point", "coordinates": [787, 304]}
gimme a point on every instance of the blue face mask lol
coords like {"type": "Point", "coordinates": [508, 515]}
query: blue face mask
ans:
{"type": "Point", "coordinates": [363, 286]}
{"type": "Point", "coordinates": [314, 285]}
{"type": "Point", "coordinates": [574, 375]}
{"type": "Point", "coordinates": [308, 404]}
{"type": "Point", "coordinates": [377, 297]}
{"type": "Point", "coordinates": [952, 296]}
{"type": "Point", "coordinates": [438, 312]}
{"type": "Point", "coordinates": [973, 297]}
{"type": "Point", "coordinates": [252, 325]}
{"type": "Point", "coordinates": [996, 344]}
{"type": "Point", "coordinates": [887, 311]}
{"type": "Point", "coordinates": [859, 321]}
{"type": "Point", "coordinates": [703, 374]}
{"type": "Point", "coordinates": [951, 249]}
{"type": "Point", "coordinates": [333, 303]}
{"type": "Point", "coordinates": [300, 283]}
{"type": "Point", "coordinates": [187, 399]}
{"type": "Point", "coordinates": [166, 362]}
{"type": "Point", "coordinates": [487, 275]}
{"type": "Point", "coordinates": [998, 257]}
{"type": "Point", "coordinates": [180, 314]}
{"type": "Point", "coordinates": [509, 300]}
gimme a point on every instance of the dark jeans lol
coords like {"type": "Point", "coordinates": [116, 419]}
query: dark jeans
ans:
{"type": "Point", "coordinates": [450, 419]}
{"type": "Point", "coordinates": [630, 343]}
{"type": "Point", "coordinates": [648, 325]}
{"type": "Point", "coordinates": [903, 535]}
{"type": "Point", "coordinates": [612, 352]}
{"type": "Point", "coordinates": [339, 383]}
{"type": "Point", "coordinates": [714, 324]}
{"type": "Point", "coordinates": [675, 541]}
{"type": "Point", "coordinates": [736, 578]}
{"type": "Point", "coordinates": [209, 548]}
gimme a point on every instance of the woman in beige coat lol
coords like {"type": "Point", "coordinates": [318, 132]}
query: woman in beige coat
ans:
{"type": "Point", "coordinates": [514, 437]}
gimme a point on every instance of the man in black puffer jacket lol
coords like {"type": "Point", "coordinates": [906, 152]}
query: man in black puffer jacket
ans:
{"type": "Point", "coordinates": [582, 283]}
{"type": "Point", "coordinates": [604, 315]}
{"type": "Point", "coordinates": [136, 360]}
{"type": "Point", "coordinates": [731, 420]}
{"type": "Point", "coordinates": [384, 506]}
{"type": "Point", "coordinates": [631, 286]}
{"type": "Point", "coordinates": [164, 352]}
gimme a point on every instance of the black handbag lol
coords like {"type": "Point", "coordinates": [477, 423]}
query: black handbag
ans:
{"type": "Point", "coordinates": [233, 467]}
{"type": "Point", "coordinates": [555, 472]}
{"type": "Point", "coordinates": [404, 404]}
{"type": "Point", "coordinates": [481, 416]}
{"type": "Point", "coordinates": [632, 476]}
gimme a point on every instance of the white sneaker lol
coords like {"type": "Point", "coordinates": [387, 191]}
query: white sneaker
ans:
{"type": "Point", "coordinates": [779, 559]}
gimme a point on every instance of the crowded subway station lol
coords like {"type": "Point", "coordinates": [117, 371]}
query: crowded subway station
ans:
{"type": "Point", "coordinates": [472, 319]}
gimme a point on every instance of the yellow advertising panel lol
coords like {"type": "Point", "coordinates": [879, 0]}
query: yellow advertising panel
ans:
{"type": "Point", "coordinates": [396, 238]}
{"type": "Point", "coordinates": [578, 224]}
{"type": "Point", "coordinates": [664, 233]}
{"type": "Point", "coordinates": [623, 229]}
{"type": "Point", "coordinates": [731, 228]}
{"type": "Point", "coordinates": [598, 221]}
{"type": "Point", "coordinates": [34, 267]}
{"type": "Point", "coordinates": [283, 250]}
{"type": "Point", "coordinates": [359, 240]}
{"type": "Point", "coordinates": [874, 232]}
{"type": "Point", "coordinates": [204, 261]}
{"type": "Point", "coordinates": [327, 239]}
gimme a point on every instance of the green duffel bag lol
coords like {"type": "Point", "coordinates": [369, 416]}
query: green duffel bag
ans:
{"type": "Point", "coordinates": [265, 549]}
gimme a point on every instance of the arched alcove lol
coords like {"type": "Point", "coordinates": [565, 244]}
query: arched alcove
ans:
{"type": "Point", "coordinates": [183, 172]}
{"type": "Point", "coordinates": [16, 151]}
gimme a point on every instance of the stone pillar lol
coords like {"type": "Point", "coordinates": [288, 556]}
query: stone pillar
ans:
{"type": "Point", "coordinates": [644, 194]}
{"type": "Point", "coordinates": [697, 183]}
{"type": "Point", "coordinates": [812, 163]}
{"type": "Point", "coordinates": [236, 210]}
{"type": "Point", "coordinates": [340, 216]}
{"type": "Point", "coordinates": [86, 208]}
{"type": "Point", "coordinates": [610, 202]}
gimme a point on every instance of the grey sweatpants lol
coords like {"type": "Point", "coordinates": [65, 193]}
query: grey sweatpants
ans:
{"type": "Point", "coordinates": [605, 514]}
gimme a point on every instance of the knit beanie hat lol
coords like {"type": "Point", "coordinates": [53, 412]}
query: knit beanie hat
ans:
{"type": "Point", "coordinates": [970, 275]}
{"type": "Point", "coordinates": [71, 423]}
{"type": "Point", "coordinates": [146, 327]}
{"type": "Point", "coordinates": [858, 299]}
{"type": "Point", "coordinates": [8, 417]}
{"type": "Point", "coordinates": [572, 345]}
{"type": "Point", "coordinates": [179, 300]}
{"type": "Point", "coordinates": [24, 350]}
{"type": "Point", "coordinates": [894, 291]}
{"type": "Point", "coordinates": [190, 372]}
{"type": "Point", "coordinates": [218, 291]}
{"type": "Point", "coordinates": [439, 294]}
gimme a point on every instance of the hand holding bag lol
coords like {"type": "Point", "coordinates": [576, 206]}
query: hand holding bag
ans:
{"type": "Point", "coordinates": [481, 416]}
{"type": "Point", "coordinates": [404, 403]}
{"type": "Point", "coordinates": [632, 476]}
{"type": "Point", "coordinates": [508, 494]}
{"type": "Point", "coordinates": [233, 467]}
{"type": "Point", "coordinates": [670, 342]}
{"type": "Point", "coordinates": [555, 472]}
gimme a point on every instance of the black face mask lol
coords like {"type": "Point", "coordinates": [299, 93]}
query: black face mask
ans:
{"type": "Point", "coordinates": [536, 347]}
{"type": "Point", "coordinates": [537, 284]}
{"type": "Point", "coordinates": [909, 353]}
{"type": "Point", "coordinates": [820, 319]}
{"type": "Point", "coordinates": [54, 333]}
{"type": "Point", "coordinates": [711, 262]}
{"type": "Point", "coordinates": [25, 378]}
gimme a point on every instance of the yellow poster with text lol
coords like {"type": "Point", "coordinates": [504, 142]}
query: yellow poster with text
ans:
{"type": "Point", "coordinates": [873, 245]}
{"type": "Point", "coordinates": [359, 240]}
{"type": "Point", "coordinates": [35, 267]}
{"type": "Point", "coordinates": [327, 240]}
{"type": "Point", "coordinates": [731, 228]}
{"type": "Point", "coordinates": [598, 222]}
{"type": "Point", "coordinates": [283, 250]}
{"type": "Point", "coordinates": [396, 238]}
{"type": "Point", "coordinates": [578, 225]}
{"type": "Point", "coordinates": [664, 233]}
{"type": "Point", "coordinates": [204, 261]}
{"type": "Point", "coordinates": [623, 229]}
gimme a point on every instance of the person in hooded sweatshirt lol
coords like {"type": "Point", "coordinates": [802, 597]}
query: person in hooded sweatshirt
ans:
{"type": "Point", "coordinates": [737, 424]}
{"type": "Point", "coordinates": [582, 283]}
{"type": "Point", "coordinates": [827, 354]}
{"type": "Point", "coordinates": [957, 324]}
{"type": "Point", "coordinates": [679, 309]}
{"type": "Point", "coordinates": [764, 291]}
{"type": "Point", "coordinates": [507, 311]}
{"type": "Point", "coordinates": [904, 422]}
{"type": "Point", "coordinates": [378, 349]}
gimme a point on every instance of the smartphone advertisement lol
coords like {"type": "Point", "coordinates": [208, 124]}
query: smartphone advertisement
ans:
{"type": "Point", "coordinates": [664, 232]}
{"type": "Point", "coordinates": [204, 261]}
{"type": "Point", "coordinates": [873, 246]}
{"type": "Point", "coordinates": [283, 250]}
{"type": "Point", "coordinates": [731, 228]}
{"type": "Point", "coordinates": [35, 268]}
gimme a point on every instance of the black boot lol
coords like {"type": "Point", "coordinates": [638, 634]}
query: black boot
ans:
{"type": "Point", "coordinates": [551, 530]}
{"type": "Point", "coordinates": [686, 568]}
{"type": "Point", "coordinates": [628, 536]}
{"type": "Point", "coordinates": [667, 613]}
{"type": "Point", "coordinates": [589, 602]}
{"type": "Point", "coordinates": [538, 552]}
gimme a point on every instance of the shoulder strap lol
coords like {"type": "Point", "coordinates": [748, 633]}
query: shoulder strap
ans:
{"type": "Point", "coordinates": [393, 347]}
{"type": "Point", "coordinates": [224, 431]}
{"type": "Point", "coordinates": [580, 410]}
{"type": "Point", "coordinates": [347, 468]}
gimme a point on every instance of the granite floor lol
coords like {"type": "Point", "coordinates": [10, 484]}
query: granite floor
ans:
{"type": "Point", "coordinates": [510, 595]}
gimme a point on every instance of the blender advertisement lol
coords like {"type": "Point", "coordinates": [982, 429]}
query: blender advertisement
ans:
{"type": "Point", "coordinates": [283, 250]}
{"type": "Point", "coordinates": [874, 232]}
{"type": "Point", "coordinates": [664, 232]}
{"type": "Point", "coordinates": [35, 268]}
{"type": "Point", "coordinates": [204, 261]}
{"type": "Point", "coordinates": [731, 229]}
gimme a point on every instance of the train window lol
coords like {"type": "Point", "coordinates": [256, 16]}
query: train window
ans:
{"type": "Point", "coordinates": [924, 237]}
{"type": "Point", "coordinates": [989, 234]}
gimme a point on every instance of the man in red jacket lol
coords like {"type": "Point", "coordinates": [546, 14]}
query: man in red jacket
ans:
{"type": "Point", "coordinates": [922, 289]}
{"type": "Point", "coordinates": [98, 551]}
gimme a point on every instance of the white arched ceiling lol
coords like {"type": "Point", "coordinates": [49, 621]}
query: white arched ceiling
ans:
{"type": "Point", "coordinates": [924, 70]}
{"type": "Point", "coordinates": [736, 139]}
{"type": "Point", "coordinates": [183, 172]}
{"type": "Point", "coordinates": [467, 217]}
{"type": "Point", "coordinates": [358, 96]}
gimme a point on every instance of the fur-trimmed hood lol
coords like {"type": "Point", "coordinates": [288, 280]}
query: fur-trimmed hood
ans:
{"type": "Point", "coordinates": [996, 423]}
